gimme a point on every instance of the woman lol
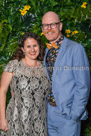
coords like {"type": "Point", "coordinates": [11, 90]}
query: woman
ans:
{"type": "Point", "coordinates": [26, 75]}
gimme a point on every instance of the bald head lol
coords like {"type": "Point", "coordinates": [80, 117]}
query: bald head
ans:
{"type": "Point", "coordinates": [50, 16]}
{"type": "Point", "coordinates": [51, 26]}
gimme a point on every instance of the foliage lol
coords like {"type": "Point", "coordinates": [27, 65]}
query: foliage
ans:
{"type": "Point", "coordinates": [88, 131]}
{"type": "Point", "coordinates": [16, 19]}
{"type": "Point", "coordinates": [74, 15]}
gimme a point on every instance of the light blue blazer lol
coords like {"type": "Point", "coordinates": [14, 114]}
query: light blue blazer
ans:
{"type": "Point", "coordinates": [71, 80]}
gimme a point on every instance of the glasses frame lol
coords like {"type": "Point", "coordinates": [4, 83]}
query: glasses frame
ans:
{"type": "Point", "coordinates": [47, 25]}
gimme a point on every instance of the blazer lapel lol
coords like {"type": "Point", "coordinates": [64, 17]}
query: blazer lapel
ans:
{"type": "Point", "coordinates": [60, 55]}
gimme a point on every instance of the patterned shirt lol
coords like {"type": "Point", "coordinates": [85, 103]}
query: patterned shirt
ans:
{"type": "Point", "coordinates": [50, 59]}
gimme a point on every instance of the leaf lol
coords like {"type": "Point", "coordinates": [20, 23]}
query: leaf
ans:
{"type": "Point", "coordinates": [4, 21]}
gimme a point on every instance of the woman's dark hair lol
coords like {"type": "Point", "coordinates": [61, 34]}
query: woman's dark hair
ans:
{"type": "Point", "coordinates": [19, 53]}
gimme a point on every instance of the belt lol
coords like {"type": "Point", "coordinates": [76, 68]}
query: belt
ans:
{"type": "Point", "coordinates": [52, 103]}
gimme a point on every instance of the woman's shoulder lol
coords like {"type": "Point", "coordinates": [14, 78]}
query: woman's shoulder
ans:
{"type": "Point", "coordinates": [15, 61]}
{"type": "Point", "coordinates": [11, 65]}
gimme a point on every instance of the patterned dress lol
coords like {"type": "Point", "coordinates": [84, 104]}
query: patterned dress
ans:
{"type": "Point", "coordinates": [26, 111]}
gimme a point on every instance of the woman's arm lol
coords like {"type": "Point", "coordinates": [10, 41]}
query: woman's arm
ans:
{"type": "Point", "coordinates": [5, 81]}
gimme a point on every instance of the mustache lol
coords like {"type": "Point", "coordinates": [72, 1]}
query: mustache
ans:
{"type": "Point", "coordinates": [49, 31]}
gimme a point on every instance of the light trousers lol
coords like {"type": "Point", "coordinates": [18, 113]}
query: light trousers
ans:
{"type": "Point", "coordinates": [60, 126]}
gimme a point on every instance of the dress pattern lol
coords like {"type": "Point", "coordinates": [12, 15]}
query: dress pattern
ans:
{"type": "Point", "coordinates": [26, 111]}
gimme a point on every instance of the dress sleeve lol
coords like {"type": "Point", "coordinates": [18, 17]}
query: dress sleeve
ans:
{"type": "Point", "coordinates": [11, 66]}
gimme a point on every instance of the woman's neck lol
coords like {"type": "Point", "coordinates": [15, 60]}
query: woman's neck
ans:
{"type": "Point", "coordinates": [31, 63]}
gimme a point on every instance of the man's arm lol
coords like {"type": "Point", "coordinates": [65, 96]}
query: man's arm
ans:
{"type": "Point", "coordinates": [82, 81]}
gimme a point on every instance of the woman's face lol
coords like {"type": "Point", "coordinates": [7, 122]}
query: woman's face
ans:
{"type": "Point", "coordinates": [31, 48]}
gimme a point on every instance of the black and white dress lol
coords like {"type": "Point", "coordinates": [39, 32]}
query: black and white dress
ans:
{"type": "Point", "coordinates": [26, 111]}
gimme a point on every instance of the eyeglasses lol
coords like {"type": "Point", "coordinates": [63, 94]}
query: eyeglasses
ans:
{"type": "Point", "coordinates": [52, 25]}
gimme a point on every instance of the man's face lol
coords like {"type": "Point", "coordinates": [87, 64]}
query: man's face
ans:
{"type": "Point", "coordinates": [51, 27]}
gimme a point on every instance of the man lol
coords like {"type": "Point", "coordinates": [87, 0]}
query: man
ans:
{"type": "Point", "coordinates": [68, 72]}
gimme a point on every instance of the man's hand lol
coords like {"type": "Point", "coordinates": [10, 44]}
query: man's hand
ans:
{"type": "Point", "coordinates": [12, 93]}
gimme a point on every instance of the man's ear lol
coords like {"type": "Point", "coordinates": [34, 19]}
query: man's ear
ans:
{"type": "Point", "coordinates": [61, 25]}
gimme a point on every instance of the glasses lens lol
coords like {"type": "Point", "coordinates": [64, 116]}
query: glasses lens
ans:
{"type": "Point", "coordinates": [52, 25]}
{"type": "Point", "coordinates": [45, 26]}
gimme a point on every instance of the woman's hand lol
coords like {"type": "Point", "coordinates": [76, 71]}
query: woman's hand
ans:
{"type": "Point", "coordinates": [3, 125]}
{"type": "Point", "coordinates": [5, 82]}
